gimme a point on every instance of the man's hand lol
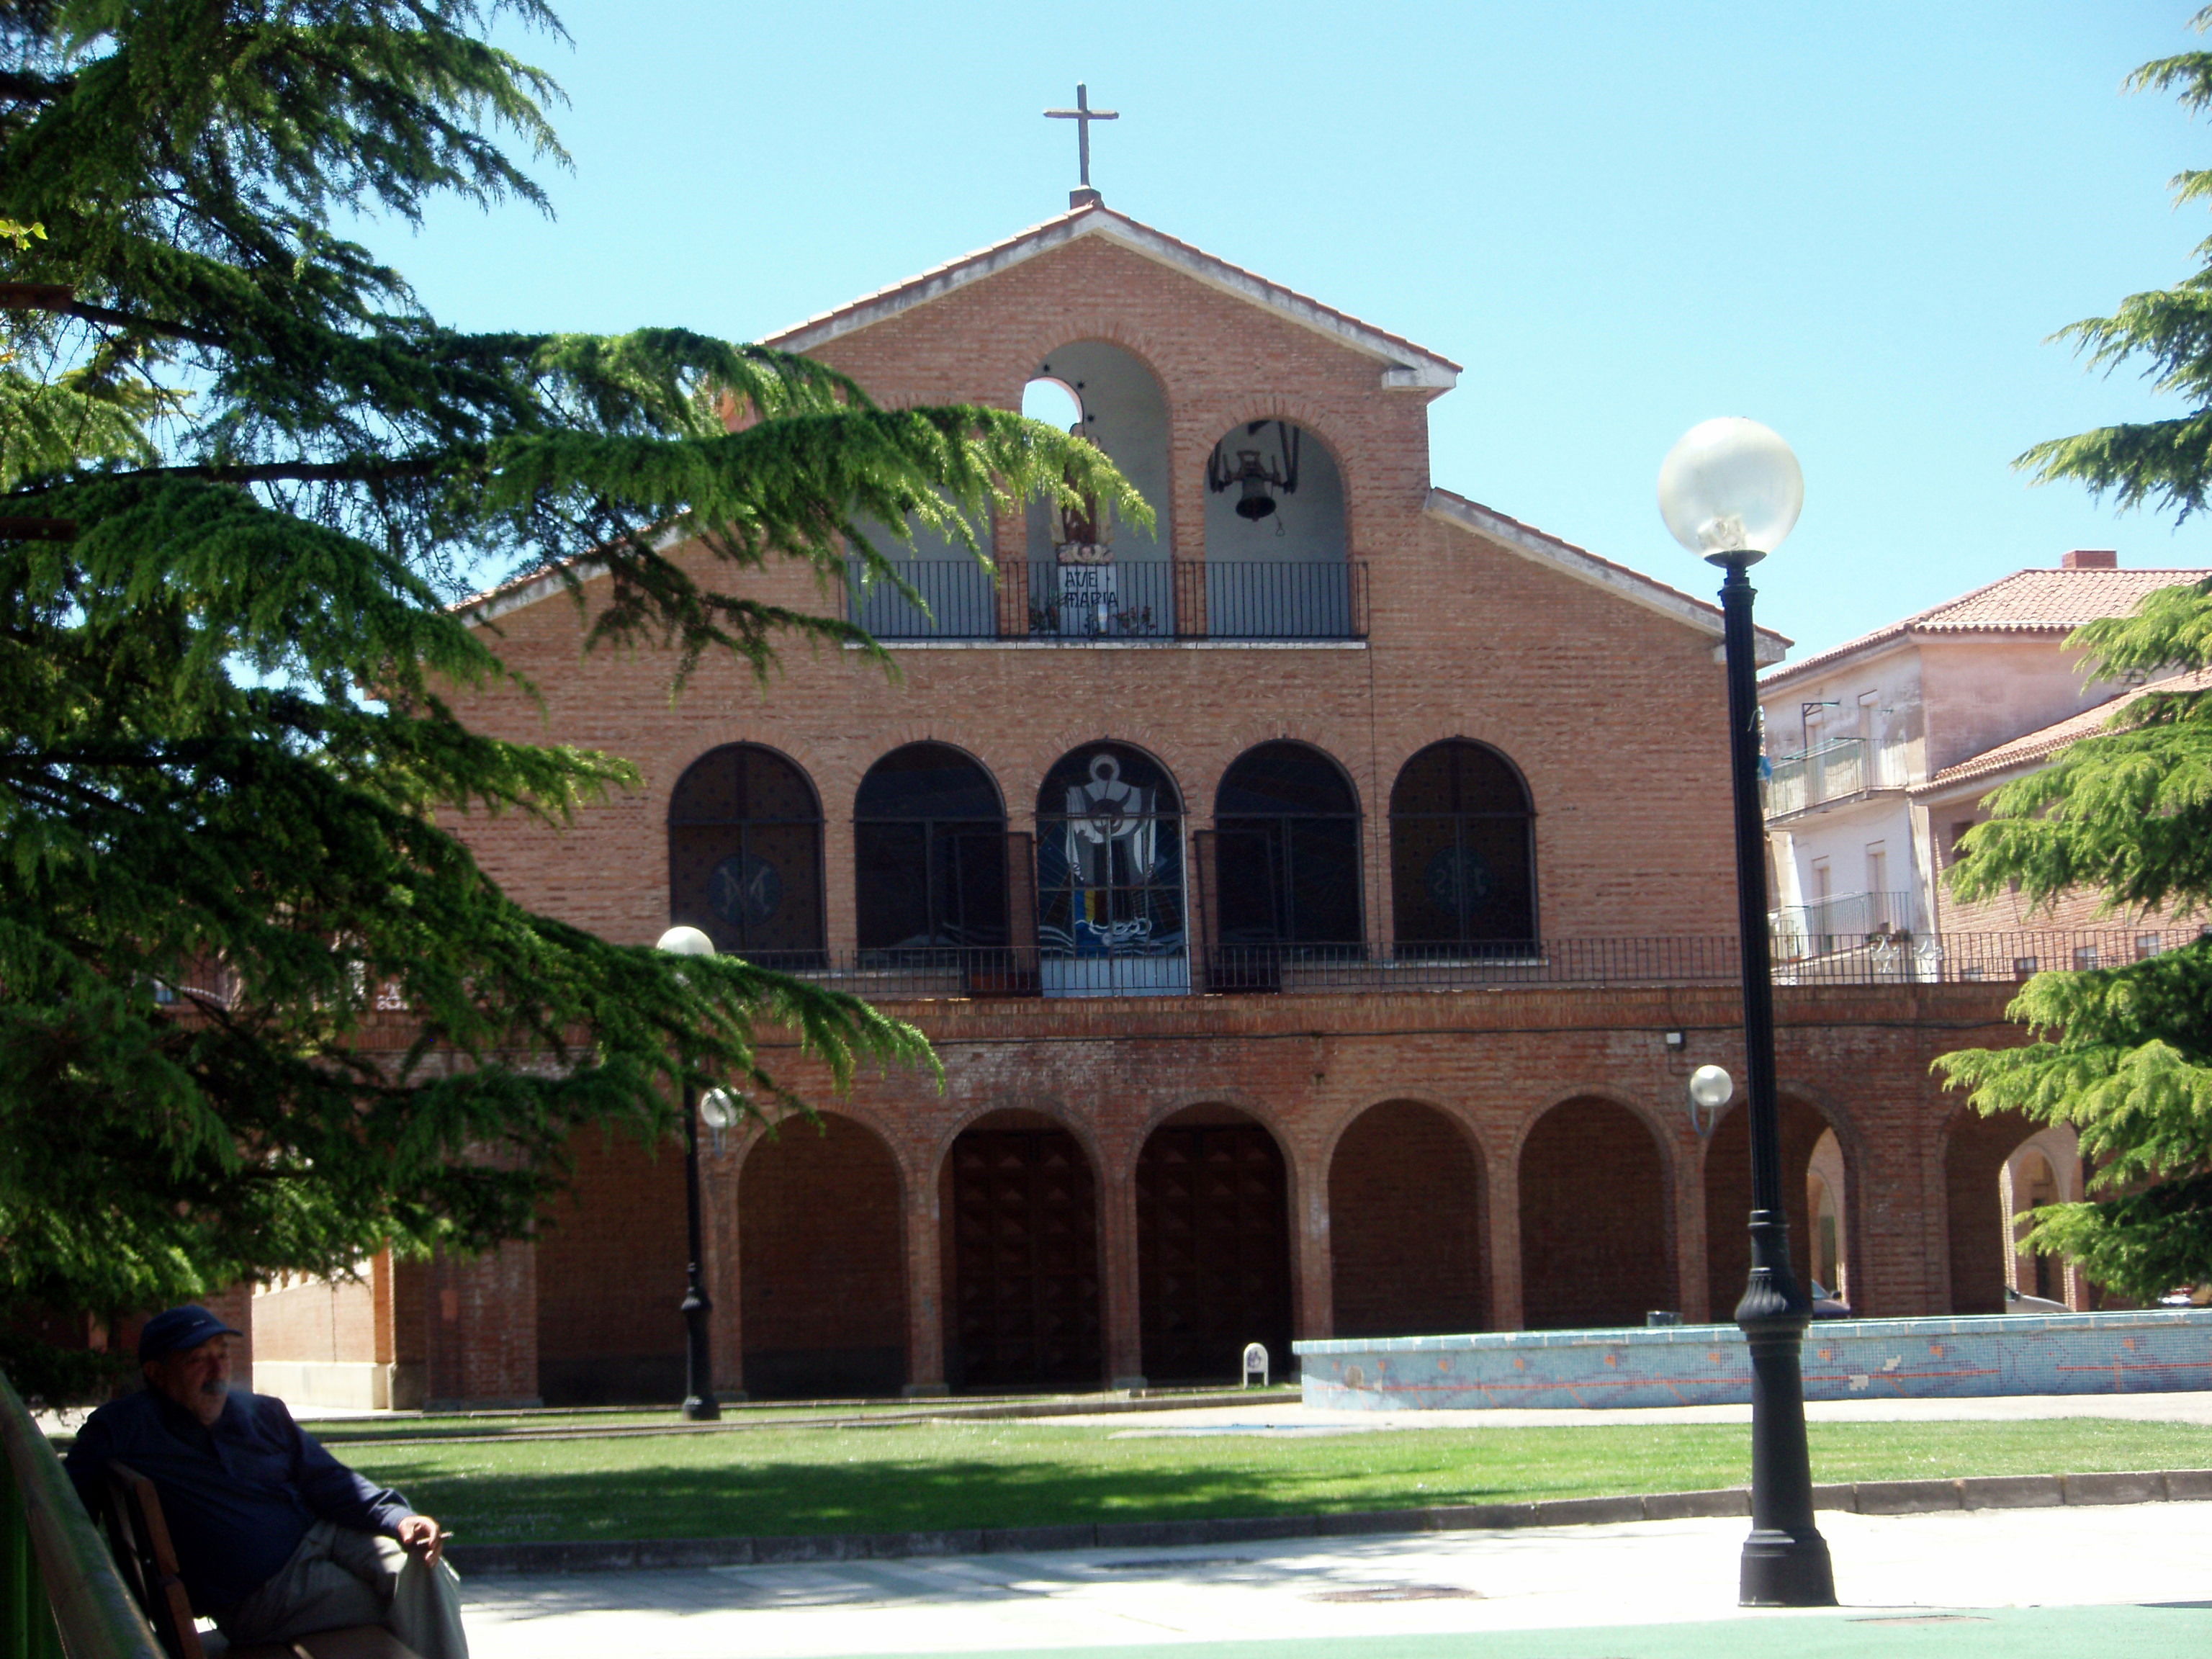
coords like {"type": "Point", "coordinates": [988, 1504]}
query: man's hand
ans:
{"type": "Point", "coordinates": [419, 1537]}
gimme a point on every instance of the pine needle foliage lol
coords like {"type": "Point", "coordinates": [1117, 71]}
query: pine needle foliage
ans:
{"type": "Point", "coordinates": [246, 477]}
{"type": "Point", "coordinates": [2123, 1054]}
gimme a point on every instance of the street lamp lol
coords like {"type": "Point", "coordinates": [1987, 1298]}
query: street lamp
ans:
{"type": "Point", "coordinates": [699, 1403]}
{"type": "Point", "coordinates": [1730, 491]}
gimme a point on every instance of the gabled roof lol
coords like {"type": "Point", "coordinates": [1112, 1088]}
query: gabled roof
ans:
{"type": "Point", "coordinates": [1579, 562]}
{"type": "Point", "coordinates": [2026, 602]}
{"type": "Point", "coordinates": [1406, 366]}
{"type": "Point", "coordinates": [2018, 753]}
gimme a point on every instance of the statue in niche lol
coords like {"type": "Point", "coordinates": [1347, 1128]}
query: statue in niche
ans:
{"type": "Point", "coordinates": [1086, 531]}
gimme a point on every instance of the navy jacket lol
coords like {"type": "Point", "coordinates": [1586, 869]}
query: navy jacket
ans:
{"type": "Point", "coordinates": [238, 1497]}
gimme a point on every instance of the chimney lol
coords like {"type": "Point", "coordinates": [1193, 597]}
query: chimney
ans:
{"type": "Point", "coordinates": [2091, 558]}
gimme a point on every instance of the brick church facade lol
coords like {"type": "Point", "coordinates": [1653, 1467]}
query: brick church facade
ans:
{"type": "Point", "coordinates": [1318, 901]}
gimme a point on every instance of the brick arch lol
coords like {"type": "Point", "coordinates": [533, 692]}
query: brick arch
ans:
{"type": "Point", "coordinates": [1407, 1218]}
{"type": "Point", "coordinates": [1214, 1270]}
{"type": "Point", "coordinates": [1151, 742]}
{"type": "Point", "coordinates": [1975, 1148]}
{"type": "Point", "coordinates": [822, 1261]}
{"type": "Point", "coordinates": [1596, 1233]}
{"type": "Point", "coordinates": [1727, 1166]}
{"type": "Point", "coordinates": [1021, 1290]}
{"type": "Point", "coordinates": [1139, 342]}
{"type": "Point", "coordinates": [887, 750]}
{"type": "Point", "coordinates": [1314, 421]}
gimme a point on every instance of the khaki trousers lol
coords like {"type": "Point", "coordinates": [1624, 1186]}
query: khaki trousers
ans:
{"type": "Point", "coordinates": [338, 1578]}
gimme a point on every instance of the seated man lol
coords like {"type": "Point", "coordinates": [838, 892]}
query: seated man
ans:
{"type": "Point", "coordinates": [275, 1537]}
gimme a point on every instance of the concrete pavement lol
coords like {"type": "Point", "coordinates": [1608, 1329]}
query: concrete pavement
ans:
{"type": "Point", "coordinates": [2141, 1576]}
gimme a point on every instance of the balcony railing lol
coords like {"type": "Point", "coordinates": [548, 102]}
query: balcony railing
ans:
{"type": "Point", "coordinates": [1138, 599]}
{"type": "Point", "coordinates": [1834, 771]}
{"type": "Point", "coordinates": [935, 972]}
{"type": "Point", "coordinates": [1838, 923]}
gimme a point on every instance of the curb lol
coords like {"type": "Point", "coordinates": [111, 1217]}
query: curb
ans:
{"type": "Point", "coordinates": [2002, 1492]}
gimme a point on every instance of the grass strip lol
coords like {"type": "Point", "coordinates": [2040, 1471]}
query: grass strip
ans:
{"type": "Point", "coordinates": [940, 1475]}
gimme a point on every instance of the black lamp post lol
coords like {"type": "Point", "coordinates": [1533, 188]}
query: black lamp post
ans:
{"type": "Point", "coordinates": [699, 1403]}
{"type": "Point", "coordinates": [1731, 490]}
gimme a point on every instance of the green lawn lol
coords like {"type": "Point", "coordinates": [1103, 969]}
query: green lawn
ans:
{"type": "Point", "coordinates": [927, 1476]}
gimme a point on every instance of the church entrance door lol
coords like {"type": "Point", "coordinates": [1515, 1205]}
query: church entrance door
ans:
{"type": "Point", "coordinates": [1213, 1246]}
{"type": "Point", "coordinates": [1024, 1259]}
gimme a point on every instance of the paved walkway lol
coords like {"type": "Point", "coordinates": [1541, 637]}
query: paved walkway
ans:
{"type": "Point", "coordinates": [2126, 1580]}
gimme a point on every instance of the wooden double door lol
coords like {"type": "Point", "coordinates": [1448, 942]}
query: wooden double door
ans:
{"type": "Point", "coordinates": [1024, 1262]}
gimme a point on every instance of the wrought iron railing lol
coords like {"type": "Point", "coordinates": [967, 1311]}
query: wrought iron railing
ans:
{"type": "Point", "coordinates": [1834, 771]}
{"type": "Point", "coordinates": [1135, 600]}
{"type": "Point", "coordinates": [939, 971]}
{"type": "Point", "coordinates": [59, 1590]}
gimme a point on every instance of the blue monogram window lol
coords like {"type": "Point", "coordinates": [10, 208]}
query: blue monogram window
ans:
{"type": "Point", "coordinates": [1462, 850]}
{"type": "Point", "coordinates": [744, 855]}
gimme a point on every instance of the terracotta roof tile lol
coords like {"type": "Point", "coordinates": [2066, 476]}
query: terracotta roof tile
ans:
{"type": "Point", "coordinates": [2025, 602]}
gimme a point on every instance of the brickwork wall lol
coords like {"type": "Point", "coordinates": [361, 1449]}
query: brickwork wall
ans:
{"type": "Point", "coordinates": [320, 1320]}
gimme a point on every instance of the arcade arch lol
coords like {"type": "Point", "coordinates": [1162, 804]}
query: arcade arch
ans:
{"type": "Point", "coordinates": [1595, 1249]}
{"type": "Point", "coordinates": [821, 1262]}
{"type": "Point", "coordinates": [1022, 1306]}
{"type": "Point", "coordinates": [1275, 537]}
{"type": "Point", "coordinates": [1728, 1197]}
{"type": "Point", "coordinates": [1405, 1224]}
{"type": "Point", "coordinates": [1979, 1224]}
{"type": "Point", "coordinates": [1213, 1245]}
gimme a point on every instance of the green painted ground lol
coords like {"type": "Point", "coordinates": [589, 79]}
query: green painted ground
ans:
{"type": "Point", "coordinates": [931, 1476]}
{"type": "Point", "coordinates": [2176, 1632]}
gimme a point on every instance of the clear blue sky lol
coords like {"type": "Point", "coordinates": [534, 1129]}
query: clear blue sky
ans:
{"type": "Point", "coordinates": [1855, 222]}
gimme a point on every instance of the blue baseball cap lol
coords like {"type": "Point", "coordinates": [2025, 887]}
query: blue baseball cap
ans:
{"type": "Point", "coordinates": [176, 1330]}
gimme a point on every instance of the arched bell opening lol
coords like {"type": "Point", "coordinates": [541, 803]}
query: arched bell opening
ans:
{"type": "Point", "coordinates": [822, 1263]}
{"type": "Point", "coordinates": [1405, 1224]}
{"type": "Point", "coordinates": [1020, 1211]}
{"type": "Point", "coordinates": [1111, 918]}
{"type": "Point", "coordinates": [1276, 547]}
{"type": "Point", "coordinates": [1812, 1176]}
{"type": "Point", "coordinates": [930, 854]}
{"type": "Point", "coordinates": [1594, 1244]}
{"type": "Point", "coordinates": [1213, 1246]}
{"type": "Point", "coordinates": [744, 856]}
{"type": "Point", "coordinates": [1092, 574]}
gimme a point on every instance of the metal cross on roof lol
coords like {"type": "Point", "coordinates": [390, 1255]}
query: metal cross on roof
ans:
{"type": "Point", "coordinates": [1083, 115]}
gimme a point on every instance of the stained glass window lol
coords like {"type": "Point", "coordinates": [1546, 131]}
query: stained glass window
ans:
{"type": "Point", "coordinates": [1109, 872]}
{"type": "Point", "coordinates": [1462, 850]}
{"type": "Point", "coordinates": [744, 855]}
{"type": "Point", "coordinates": [929, 839]}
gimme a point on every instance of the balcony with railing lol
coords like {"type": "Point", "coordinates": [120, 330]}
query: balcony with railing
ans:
{"type": "Point", "coordinates": [1040, 599]}
{"type": "Point", "coordinates": [1374, 967]}
{"type": "Point", "coordinates": [1841, 770]}
{"type": "Point", "coordinates": [1841, 923]}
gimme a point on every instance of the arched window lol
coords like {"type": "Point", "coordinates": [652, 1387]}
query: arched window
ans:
{"type": "Point", "coordinates": [1462, 850]}
{"type": "Point", "coordinates": [1109, 876]}
{"type": "Point", "coordinates": [929, 838]}
{"type": "Point", "coordinates": [744, 855]}
{"type": "Point", "coordinates": [1286, 849]}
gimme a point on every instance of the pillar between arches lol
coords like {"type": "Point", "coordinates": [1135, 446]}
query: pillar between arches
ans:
{"type": "Point", "coordinates": [925, 1284]}
{"type": "Point", "coordinates": [1313, 1299]}
{"type": "Point", "coordinates": [1691, 1289]}
{"type": "Point", "coordinates": [726, 1330]}
{"type": "Point", "coordinates": [1502, 1174]}
{"type": "Point", "coordinates": [1117, 1254]}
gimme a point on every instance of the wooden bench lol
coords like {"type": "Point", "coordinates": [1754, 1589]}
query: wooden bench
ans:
{"type": "Point", "coordinates": [139, 1537]}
